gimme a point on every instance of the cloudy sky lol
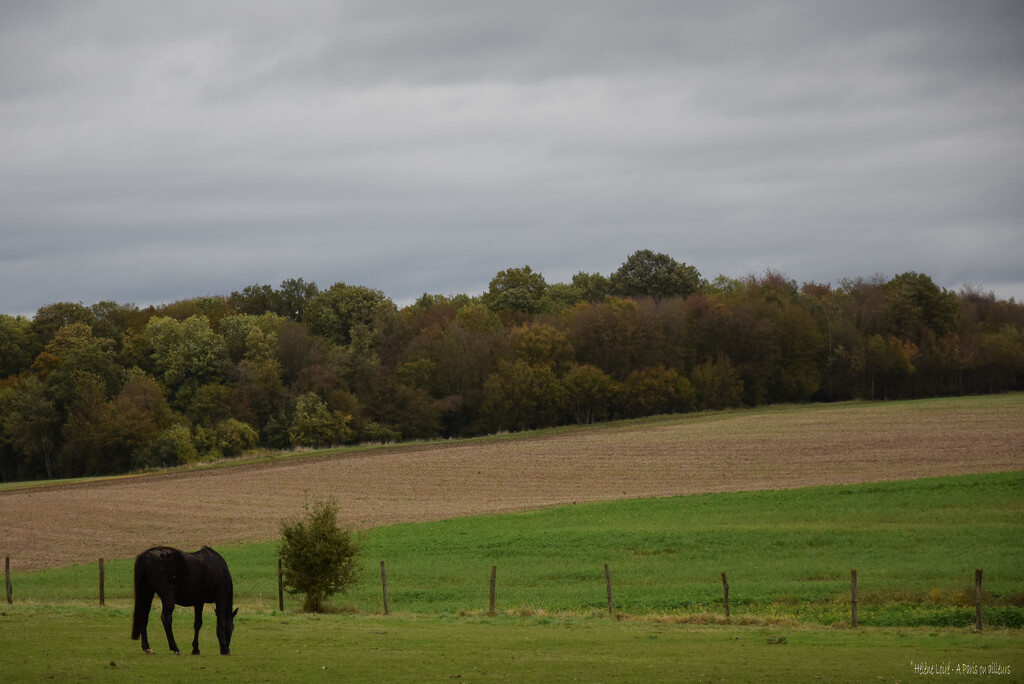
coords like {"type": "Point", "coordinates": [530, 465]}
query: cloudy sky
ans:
{"type": "Point", "coordinates": [155, 151]}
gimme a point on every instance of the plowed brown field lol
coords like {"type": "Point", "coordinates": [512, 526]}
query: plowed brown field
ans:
{"type": "Point", "coordinates": [772, 449]}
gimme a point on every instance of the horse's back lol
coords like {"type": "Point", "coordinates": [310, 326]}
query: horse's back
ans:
{"type": "Point", "coordinates": [192, 578]}
{"type": "Point", "coordinates": [160, 567]}
{"type": "Point", "coordinates": [207, 577]}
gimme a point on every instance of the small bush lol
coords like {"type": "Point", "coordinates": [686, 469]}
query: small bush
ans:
{"type": "Point", "coordinates": [318, 557]}
{"type": "Point", "coordinates": [376, 432]}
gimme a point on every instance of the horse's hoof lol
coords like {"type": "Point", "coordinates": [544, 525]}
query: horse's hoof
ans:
{"type": "Point", "coordinates": [195, 652]}
{"type": "Point", "coordinates": [177, 653]}
{"type": "Point", "coordinates": [148, 651]}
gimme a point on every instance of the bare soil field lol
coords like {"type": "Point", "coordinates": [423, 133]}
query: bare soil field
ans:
{"type": "Point", "coordinates": [734, 451]}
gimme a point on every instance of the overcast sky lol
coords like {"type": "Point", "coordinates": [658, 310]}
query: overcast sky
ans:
{"type": "Point", "coordinates": [156, 151]}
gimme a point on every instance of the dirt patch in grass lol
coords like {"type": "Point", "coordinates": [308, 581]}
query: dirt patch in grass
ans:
{"type": "Point", "coordinates": [764, 449]}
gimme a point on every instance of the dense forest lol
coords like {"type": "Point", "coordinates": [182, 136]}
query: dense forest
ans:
{"type": "Point", "coordinates": [111, 388]}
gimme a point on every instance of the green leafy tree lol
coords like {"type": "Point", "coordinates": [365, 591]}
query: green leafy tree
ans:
{"type": "Point", "coordinates": [543, 345]}
{"type": "Point", "coordinates": [522, 396]}
{"type": "Point", "coordinates": [336, 312]}
{"type": "Point", "coordinates": [516, 289]}
{"type": "Point", "coordinates": [258, 396]}
{"type": "Point", "coordinates": [658, 390]}
{"type": "Point", "coordinates": [801, 346]}
{"type": "Point", "coordinates": [174, 446]}
{"type": "Point", "coordinates": [919, 310]}
{"type": "Point", "coordinates": [187, 354]}
{"type": "Point", "coordinates": [138, 415]}
{"type": "Point", "coordinates": [210, 404]}
{"type": "Point", "coordinates": [87, 434]}
{"type": "Point", "coordinates": [19, 346]}
{"type": "Point", "coordinates": [117, 435]}
{"type": "Point", "coordinates": [413, 411]}
{"type": "Point", "coordinates": [293, 296]}
{"type": "Point", "coordinates": [612, 335]}
{"type": "Point", "coordinates": [113, 320]}
{"type": "Point", "coordinates": [30, 424]}
{"type": "Point", "coordinates": [316, 425]}
{"type": "Point", "coordinates": [887, 362]}
{"type": "Point", "coordinates": [589, 393]}
{"type": "Point", "coordinates": [255, 300]}
{"type": "Point", "coordinates": [72, 351]}
{"type": "Point", "coordinates": [717, 384]}
{"type": "Point", "coordinates": [234, 437]}
{"type": "Point", "coordinates": [318, 556]}
{"type": "Point", "coordinates": [226, 439]}
{"type": "Point", "coordinates": [559, 297]}
{"type": "Point", "coordinates": [650, 274]}
{"type": "Point", "coordinates": [52, 317]}
{"type": "Point", "coordinates": [593, 287]}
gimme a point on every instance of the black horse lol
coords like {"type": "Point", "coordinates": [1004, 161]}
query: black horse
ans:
{"type": "Point", "coordinates": [185, 579]}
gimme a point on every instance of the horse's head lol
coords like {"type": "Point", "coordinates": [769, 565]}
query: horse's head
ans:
{"type": "Point", "coordinates": [225, 626]}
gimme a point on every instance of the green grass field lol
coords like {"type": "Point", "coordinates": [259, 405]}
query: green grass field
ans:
{"type": "Point", "coordinates": [787, 554]}
{"type": "Point", "coordinates": [79, 644]}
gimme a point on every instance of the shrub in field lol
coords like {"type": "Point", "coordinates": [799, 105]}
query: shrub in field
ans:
{"type": "Point", "coordinates": [318, 557]}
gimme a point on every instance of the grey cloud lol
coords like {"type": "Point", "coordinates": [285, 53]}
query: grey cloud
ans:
{"type": "Point", "coordinates": [424, 146]}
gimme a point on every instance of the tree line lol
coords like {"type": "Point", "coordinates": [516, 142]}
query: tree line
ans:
{"type": "Point", "coordinates": [110, 388]}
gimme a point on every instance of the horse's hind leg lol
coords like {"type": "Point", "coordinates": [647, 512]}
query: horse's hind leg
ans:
{"type": "Point", "coordinates": [145, 603]}
{"type": "Point", "coordinates": [199, 623]}
{"type": "Point", "coordinates": [165, 617]}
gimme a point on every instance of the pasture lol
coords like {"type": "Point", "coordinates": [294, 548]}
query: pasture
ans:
{"type": "Point", "coordinates": [787, 551]}
{"type": "Point", "coordinates": [787, 554]}
{"type": "Point", "coordinates": [77, 644]}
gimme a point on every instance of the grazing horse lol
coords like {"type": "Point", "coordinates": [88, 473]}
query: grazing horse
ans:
{"type": "Point", "coordinates": [185, 579]}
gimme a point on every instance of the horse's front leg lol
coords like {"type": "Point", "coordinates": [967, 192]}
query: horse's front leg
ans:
{"type": "Point", "coordinates": [165, 617]}
{"type": "Point", "coordinates": [199, 623]}
{"type": "Point", "coordinates": [145, 643]}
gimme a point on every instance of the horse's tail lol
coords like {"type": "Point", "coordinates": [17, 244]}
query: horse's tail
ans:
{"type": "Point", "coordinates": [141, 613]}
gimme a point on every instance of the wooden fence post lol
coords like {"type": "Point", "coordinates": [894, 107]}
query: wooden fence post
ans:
{"type": "Point", "coordinates": [7, 580]}
{"type": "Point", "coordinates": [853, 598]}
{"type": "Point", "coordinates": [977, 599]}
{"type": "Point", "coordinates": [494, 580]}
{"type": "Point", "coordinates": [384, 586]}
{"type": "Point", "coordinates": [103, 601]}
{"type": "Point", "coordinates": [608, 584]}
{"type": "Point", "coordinates": [725, 590]}
{"type": "Point", "coordinates": [280, 586]}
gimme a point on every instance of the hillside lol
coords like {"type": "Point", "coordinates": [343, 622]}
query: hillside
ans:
{"type": "Point", "coordinates": [769, 448]}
